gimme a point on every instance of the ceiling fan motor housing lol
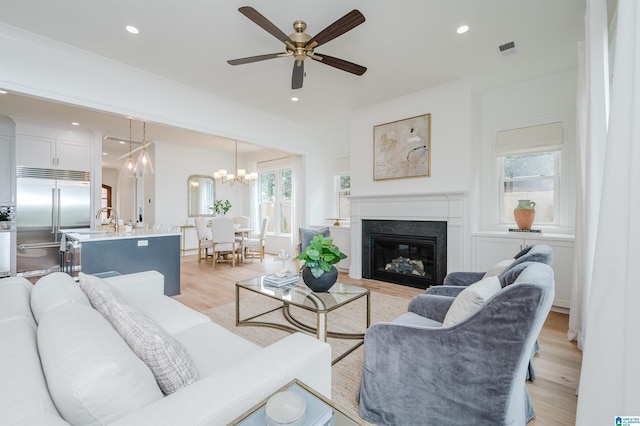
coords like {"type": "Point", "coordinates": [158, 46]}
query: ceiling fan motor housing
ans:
{"type": "Point", "coordinates": [300, 38]}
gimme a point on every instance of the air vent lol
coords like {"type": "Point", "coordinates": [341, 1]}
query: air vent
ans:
{"type": "Point", "coordinates": [507, 48]}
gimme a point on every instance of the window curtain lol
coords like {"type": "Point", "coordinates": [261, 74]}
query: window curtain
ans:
{"type": "Point", "coordinates": [610, 367]}
{"type": "Point", "coordinates": [591, 134]}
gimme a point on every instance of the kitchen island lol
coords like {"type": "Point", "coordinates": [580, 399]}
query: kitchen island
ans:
{"type": "Point", "coordinates": [94, 252]}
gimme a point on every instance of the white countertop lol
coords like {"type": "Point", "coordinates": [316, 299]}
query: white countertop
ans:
{"type": "Point", "coordinates": [88, 235]}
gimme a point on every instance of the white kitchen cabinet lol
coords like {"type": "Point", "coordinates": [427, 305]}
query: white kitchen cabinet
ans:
{"type": "Point", "coordinates": [492, 247]}
{"type": "Point", "coordinates": [46, 153]}
{"type": "Point", "coordinates": [7, 187]}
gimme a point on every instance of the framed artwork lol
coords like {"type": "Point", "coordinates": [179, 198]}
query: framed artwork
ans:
{"type": "Point", "coordinates": [402, 149]}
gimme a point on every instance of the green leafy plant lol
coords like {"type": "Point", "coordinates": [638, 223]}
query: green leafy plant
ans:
{"type": "Point", "coordinates": [320, 255]}
{"type": "Point", "coordinates": [222, 206]}
{"type": "Point", "coordinates": [4, 216]}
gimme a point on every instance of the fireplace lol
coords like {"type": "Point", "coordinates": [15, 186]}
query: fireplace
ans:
{"type": "Point", "coordinates": [407, 252]}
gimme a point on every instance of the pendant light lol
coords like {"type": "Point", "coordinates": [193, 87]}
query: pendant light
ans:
{"type": "Point", "coordinates": [127, 170]}
{"type": "Point", "coordinates": [144, 164]}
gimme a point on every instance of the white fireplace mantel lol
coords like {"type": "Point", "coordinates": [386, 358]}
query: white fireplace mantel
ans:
{"type": "Point", "coordinates": [443, 206]}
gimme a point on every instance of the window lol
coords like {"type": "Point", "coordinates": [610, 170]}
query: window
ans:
{"type": "Point", "coordinates": [529, 161]}
{"type": "Point", "coordinates": [530, 177]}
{"type": "Point", "coordinates": [275, 197]}
{"type": "Point", "coordinates": [343, 190]}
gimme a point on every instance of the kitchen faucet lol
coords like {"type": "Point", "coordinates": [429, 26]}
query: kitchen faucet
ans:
{"type": "Point", "coordinates": [115, 212]}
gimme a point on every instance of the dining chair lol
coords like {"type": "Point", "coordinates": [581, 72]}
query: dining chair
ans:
{"type": "Point", "coordinates": [204, 238]}
{"type": "Point", "coordinates": [254, 247]}
{"type": "Point", "coordinates": [243, 221]}
{"type": "Point", "coordinates": [224, 242]}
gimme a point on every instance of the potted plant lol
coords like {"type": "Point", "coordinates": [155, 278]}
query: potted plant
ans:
{"type": "Point", "coordinates": [221, 206]}
{"type": "Point", "coordinates": [318, 272]}
{"type": "Point", "coordinates": [4, 219]}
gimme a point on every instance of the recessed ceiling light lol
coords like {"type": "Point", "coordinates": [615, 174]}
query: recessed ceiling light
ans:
{"type": "Point", "coordinates": [122, 142]}
{"type": "Point", "coordinates": [132, 29]}
{"type": "Point", "coordinates": [462, 29]}
{"type": "Point", "coordinates": [75, 123]}
{"type": "Point", "coordinates": [104, 153]}
{"type": "Point", "coordinates": [3, 92]}
{"type": "Point", "coordinates": [294, 99]}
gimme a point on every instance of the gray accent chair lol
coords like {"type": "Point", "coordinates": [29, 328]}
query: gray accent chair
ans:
{"type": "Point", "coordinates": [416, 371]}
{"type": "Point", "coordinates": [439, 298]}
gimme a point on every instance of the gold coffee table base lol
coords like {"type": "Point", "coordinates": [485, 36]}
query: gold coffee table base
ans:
{"type": "Point", "coordinates": [340, 295]}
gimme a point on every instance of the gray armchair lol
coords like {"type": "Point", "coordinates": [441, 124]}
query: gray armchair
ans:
{"type": "Point", "coordinates": [436, 300]}
{"type": "Point", "coordinates": [416, 371]}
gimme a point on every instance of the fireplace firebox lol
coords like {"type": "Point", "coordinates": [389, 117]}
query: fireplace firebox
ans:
{"type": "Point", "coordinates": [411, 253]}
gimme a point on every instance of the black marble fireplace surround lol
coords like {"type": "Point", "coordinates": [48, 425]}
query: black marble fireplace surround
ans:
{"type": "Point", "coordinates": [407, 252]}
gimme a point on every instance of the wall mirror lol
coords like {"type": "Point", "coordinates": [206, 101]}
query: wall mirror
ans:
{"type": "Point", "coordinates": [201, 190]}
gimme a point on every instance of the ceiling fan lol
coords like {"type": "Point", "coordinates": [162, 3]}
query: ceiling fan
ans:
{"type": "Point", "coordinates": [301, 45]}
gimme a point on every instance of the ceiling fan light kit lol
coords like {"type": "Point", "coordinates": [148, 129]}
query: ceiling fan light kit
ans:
{"type": "Point", "coordinates": [301, 45]}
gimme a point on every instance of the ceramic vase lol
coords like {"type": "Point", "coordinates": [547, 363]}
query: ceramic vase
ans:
{"type": "Point", "coordinates": [524, 214]}
{"type": "Point", "coordinates": [322, 284]}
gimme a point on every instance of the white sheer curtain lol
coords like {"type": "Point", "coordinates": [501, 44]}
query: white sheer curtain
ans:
{"type": "Point", "coordinates": [591, 133]}
{"type": "Point", "coordinates": [610, 368]}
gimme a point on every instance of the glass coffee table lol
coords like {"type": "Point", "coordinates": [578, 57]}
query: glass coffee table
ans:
{"type": "Point", "coordinates": [300, 296]}
{"type": "Point", "coordinates": [319, 410]}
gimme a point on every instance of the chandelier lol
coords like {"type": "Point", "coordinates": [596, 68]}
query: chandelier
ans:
{"type": "Point", "coordinates": [240, 175]}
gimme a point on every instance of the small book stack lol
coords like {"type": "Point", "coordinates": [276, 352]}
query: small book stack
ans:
{"type": "Point", "coordinates": [535, 231]}
{"type": "Point", "coordinates": [276, 281]}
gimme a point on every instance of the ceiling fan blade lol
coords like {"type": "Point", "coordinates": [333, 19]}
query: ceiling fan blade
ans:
{"type": "Point", "coordinates": [250, 59]}
{"type": "Point", "coordinates": [266, 25]}
{"type": "Point", "coordinates": [298, 75]}
{"type": "Point", "coordinates": [339, 63]}
{"type": "Point", "coordinates": [341, 26]}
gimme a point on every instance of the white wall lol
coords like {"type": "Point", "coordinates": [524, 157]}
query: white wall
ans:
{"type": "Point", "coordinates": [174, 164]}
{"type": "Point", "coordinates": [522, 106]}
{"type": "Point", "coordinates": [44, 68]}
{"type": "Point", "coordinates": [451, 141]}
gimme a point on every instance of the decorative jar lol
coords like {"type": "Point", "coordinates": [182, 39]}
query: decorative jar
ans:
{"type": "Point", "coordinates": [524, 214]}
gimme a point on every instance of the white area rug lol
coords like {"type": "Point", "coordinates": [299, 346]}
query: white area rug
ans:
{"type": "Point", "coordinates": [345, 374]}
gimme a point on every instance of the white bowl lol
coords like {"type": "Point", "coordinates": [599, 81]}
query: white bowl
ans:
{"type": "Point", "coordinates": [285, 409]}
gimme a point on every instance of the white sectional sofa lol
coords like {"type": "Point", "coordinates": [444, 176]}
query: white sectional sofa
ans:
{"type": "Point", "coordinates": [62, 362]}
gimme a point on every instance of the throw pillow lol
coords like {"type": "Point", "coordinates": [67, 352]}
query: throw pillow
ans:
{"type": "Point", "coordinates": [471, 300]}
{"type": "Point", "coordinates": [53, 290]}
{"type": "Point", "coordinates": [168, 360]}
{"type": "Point", "coordinates": [99, 292]}
{"type": "Point", "coordinates": [306, 235]}
{"type": "Point", "coordinates": [523, 252]}
{"type": "Point", "coordinates": [509, 275]}
{"type": "Point", "coordinates": [92, 375]}
{"type": "Point", "coordinates": [497, 268]}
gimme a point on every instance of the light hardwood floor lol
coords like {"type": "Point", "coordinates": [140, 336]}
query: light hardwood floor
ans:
{"type": "Point", "coordinates": [557, 364]}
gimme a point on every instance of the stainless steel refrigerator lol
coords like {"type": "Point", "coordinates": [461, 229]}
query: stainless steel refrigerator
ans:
{"type": "Point", "coordinates": [48, 201]}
